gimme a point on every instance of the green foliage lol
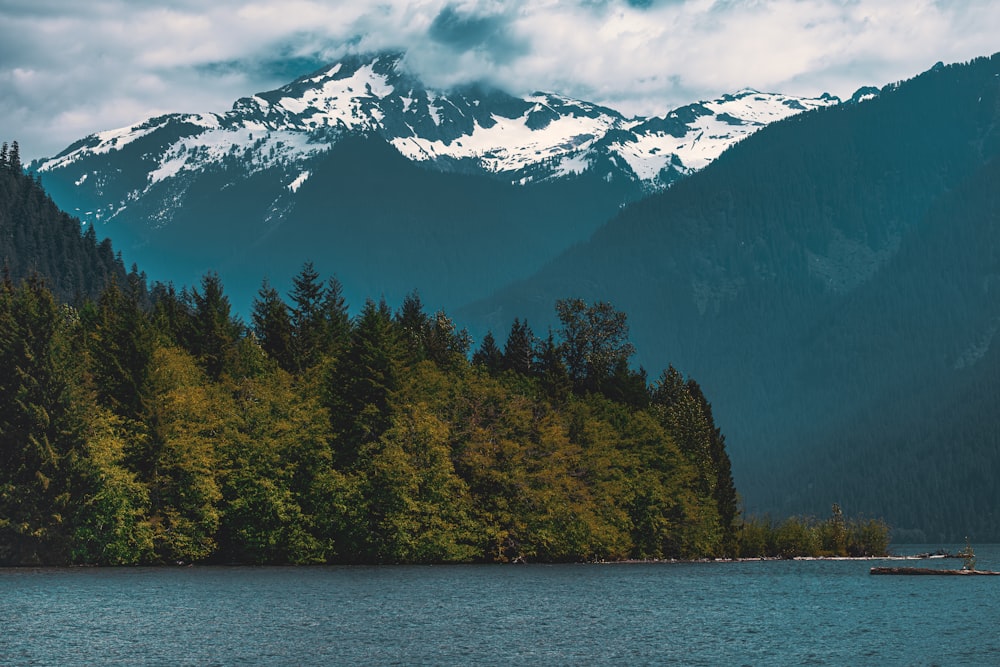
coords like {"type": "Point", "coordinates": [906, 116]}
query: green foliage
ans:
{"type": "Point", "coordinates": [36, 238]}
{"type": "Point", "coordinates": [806, 537]}
{"type": "Point", "coordinates": [171, 435]}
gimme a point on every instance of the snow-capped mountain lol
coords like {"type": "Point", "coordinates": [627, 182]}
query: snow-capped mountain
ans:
{"type": "Point", "coordinates": [471, 129]}
{"type": "Point", "coordinates": [385, 182]}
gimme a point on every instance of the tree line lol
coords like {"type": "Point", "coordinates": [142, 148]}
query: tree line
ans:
{"type": "Point", "coordinates": [171, 432]}
{"type": "Point", "coordinates": [139, 424]}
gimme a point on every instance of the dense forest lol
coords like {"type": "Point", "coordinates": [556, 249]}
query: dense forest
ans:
{"type": "Point", "coordinates": [147, 425]}
{"type": "Point", "coordinates": [176, 435]}
{"type": "Point", "coordinates": [37, 237]}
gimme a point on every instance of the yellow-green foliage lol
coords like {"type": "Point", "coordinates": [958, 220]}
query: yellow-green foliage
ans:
{"type": "Point", "coordinates": [176, 436]}
{"type": "Point", "coordinates": [797, 537]}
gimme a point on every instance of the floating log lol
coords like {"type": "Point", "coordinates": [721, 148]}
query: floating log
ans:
{"type": "Point", "coordinates": [929, 570]}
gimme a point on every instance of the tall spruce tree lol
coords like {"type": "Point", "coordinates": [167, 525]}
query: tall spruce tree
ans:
{"type": "Point", "coordinates": [42, 443]}
{"type": "Point", "coordinates": [489, 356]}
{"type": "Point", "coordinates": [272, 326]}
{"type": "Point", "coordinates": [362, 383]}
{"type": "Point", "coordinates": [518, 351]}
{"type": "Point", "coordinates": [214, 329]}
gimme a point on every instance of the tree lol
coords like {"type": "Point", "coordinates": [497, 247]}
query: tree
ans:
{"type": "Point", "coordinates": [187, 419]}
{"type": "Point", "coordinates": [120, 343]}
{"type": "Point", "coordinates": [272, 326]}
{"type": "Point", "coordinates": [14, 158]}
{"type": "Point", "coordinates": [594, 342]}
{"type": "Point", "coordinates": [488, 356]}
{"type": "Point", "coordinates": [518, 351]}
{"type": "Point", "coordinates": [362, 383]}
{"type": "Point", "coordinates": [413, 324]}
{"type": "Point", "coordinates": [214, 329]}
{"type": "Point", "coordinates": [307, 317]}
{"type": "Point", "coordinates": [42, 442]}
{"type": "Point", "coordinates": [551, 370]}
{"type": "Point", "coordinates": [445, 344]}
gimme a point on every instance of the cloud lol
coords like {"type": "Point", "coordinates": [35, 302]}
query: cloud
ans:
{"type": "Point", "coordinates": [68, 69]}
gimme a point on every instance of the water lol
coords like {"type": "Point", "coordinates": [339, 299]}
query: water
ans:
{"type": "Point", "coordinates": [755, 613]}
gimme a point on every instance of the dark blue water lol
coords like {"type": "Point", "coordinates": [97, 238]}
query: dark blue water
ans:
{"type": "Point", "coordinates": [755, 613]}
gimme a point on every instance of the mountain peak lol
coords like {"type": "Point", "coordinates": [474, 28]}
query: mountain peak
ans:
{"type": "Point", "coordinates": [471, 128]}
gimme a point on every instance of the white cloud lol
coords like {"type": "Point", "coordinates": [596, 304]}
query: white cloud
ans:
{"type": "Point", "coordinates": [68, 69]}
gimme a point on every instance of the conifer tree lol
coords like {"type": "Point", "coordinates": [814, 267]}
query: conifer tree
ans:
{"type": "Point", "coordinates": [307, 317]}
{"type": "Point", "coordinates": [121, 345]}
{"type": "Point", "coordinates": [41, 439]}
{"type": "Point", "coordinates": [273, 326]}
{"type": "Point", "coordinates": [551, 370]}
{"type": "Point", "coordinates": [363, 382]}
{"type": "Point", "coordinates": [518, 351]}
{"type": "Point", "coordinates": [489, 356]}
{"type": "Point", "coordinates": [413, 324]}
{"type": "Point", "coordinates": [214, 330]}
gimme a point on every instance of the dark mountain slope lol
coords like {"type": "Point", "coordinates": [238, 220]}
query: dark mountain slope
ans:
{"type": "Point", "coordinates": [922, 445]}
{"type": "Point", "coordinates": [776, 277]}
{"type": "Point", "coordinates": [38, 239]}
{"type": "Point", "coordinates": [383, 224]}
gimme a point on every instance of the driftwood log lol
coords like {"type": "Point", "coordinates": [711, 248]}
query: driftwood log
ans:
{"type": "Point", "coordinates": [929, 570]}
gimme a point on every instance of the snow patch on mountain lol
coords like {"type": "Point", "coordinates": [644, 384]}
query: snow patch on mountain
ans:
{"type": "Point", "coordinates": [475, 128]}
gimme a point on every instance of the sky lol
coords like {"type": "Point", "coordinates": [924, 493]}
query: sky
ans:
{"type": "Point", "coordinates": [69, 68]}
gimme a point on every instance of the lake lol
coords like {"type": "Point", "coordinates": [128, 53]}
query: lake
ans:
{"type": "Point", "coordinates": [749, 613]}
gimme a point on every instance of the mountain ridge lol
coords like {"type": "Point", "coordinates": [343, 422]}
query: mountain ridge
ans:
{"type": "Point", "coordinates": [471, 128]}
{"type": "Point", "coordinates": [812, 280]}
{"type": "Point", "coordinates": [182, 194]}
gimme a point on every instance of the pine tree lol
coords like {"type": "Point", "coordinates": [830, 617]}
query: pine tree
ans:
{"type": "Point", "coordinates": [518, 351]}
{"type": "Point", "coordinates": [488, 355]}
{"type": "Point", "coordinates": [413, 324]}
{"type": "Point", "coordinates": [121, 344]}
{"type": "Point", "coordinates": [272, 326]}
{"type": "Point", "coordinates": [41, 435]}
{"type": "Point", "coordinates": [362, 383]}
{"type": "Point", "coordinates": [307, 317]}
{"type": "Point", "coordinates": [551, 370]}
{"type": "Point", "coordinates": [214, 330]}
{"type": "Point", "coordinates": [14, 158]}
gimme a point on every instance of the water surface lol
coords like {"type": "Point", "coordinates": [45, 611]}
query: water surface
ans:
{"type": "Point", "coordinates": [753, 613]}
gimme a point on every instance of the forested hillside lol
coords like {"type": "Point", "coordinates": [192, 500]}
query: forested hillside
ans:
{"type": "Point", "coordinates": [38, 238]}
{"type": "Point", "coordinates": [129, 436]}
{"type": "Point", "coordinates": [829, 280]}
{"type": "Point", "coordinates": [151, 426]}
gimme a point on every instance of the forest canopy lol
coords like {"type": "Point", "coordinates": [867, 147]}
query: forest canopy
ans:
{"type": "Point", "coordinates": [173, 433]}
{"type": "Point", "coordinates": [146, 425]}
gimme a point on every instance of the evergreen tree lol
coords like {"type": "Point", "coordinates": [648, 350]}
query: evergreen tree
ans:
{"type": "Point", "coordinates": [551, 370]}
{"type": "Point", "coordinates": [320, 324]}
{"type": "Point", "coordinates": [726, 498]}
{"type": "Point", "coordinates": [214, 331]}
{"type": "Point", "coordinates": [414, 326]}
{"type": "Point", "coordinates": [273, 326]}
{"type": "Point", "coordinates": [362, 383]}
{"type": "Point", "coordinates": [445, 345]}
{"type": "Point", "coordinates": [336, 320]}
{"type": "Point", "coordinates": [488, 355]}
{"type": "Point", "coordinates": [121, 344]}
{"type": "Point", "coordinates": [518, 351]}
{"type": "Point", "coordinates": [41, 434]}
{"type": "Point", "coordinates": [14, 158]}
